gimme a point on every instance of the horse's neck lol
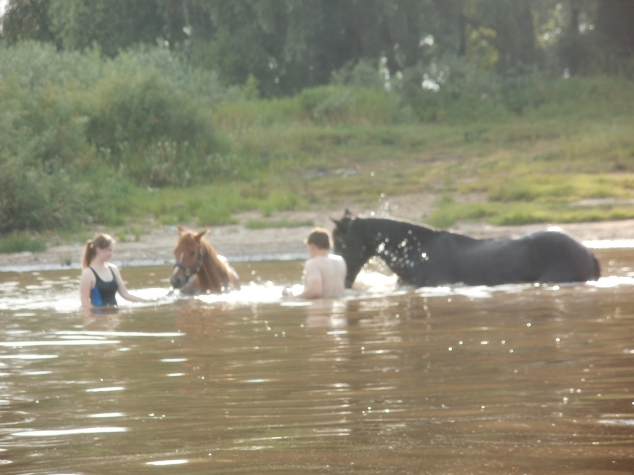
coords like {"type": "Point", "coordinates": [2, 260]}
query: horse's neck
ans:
{"type": "Point", "coordinates": [399, 244]}
{"type": "Point", "coordinates": [394, 235]}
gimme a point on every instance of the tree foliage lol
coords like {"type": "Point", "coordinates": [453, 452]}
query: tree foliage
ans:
{"type": "Point", "coordinates": [287, 45]}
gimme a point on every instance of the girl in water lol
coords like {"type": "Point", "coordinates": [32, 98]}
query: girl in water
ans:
{"type": "Point", "coordinates": [100, 281]}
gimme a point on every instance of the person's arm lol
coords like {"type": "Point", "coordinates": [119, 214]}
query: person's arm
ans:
{"type": "Point", "coordinates": [123, 290]}
{"type": "Point", "coordinates": [313, 285]}
{"type": "Point", "coordinates": [86, 283]}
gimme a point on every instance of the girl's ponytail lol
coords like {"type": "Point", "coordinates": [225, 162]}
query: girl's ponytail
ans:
{"type": "Point", "coordinates": [89, 253]}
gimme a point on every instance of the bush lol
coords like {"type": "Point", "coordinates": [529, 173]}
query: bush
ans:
{"type": "Point", "coordinates": [39, 122]}
{"type": "Point", "coordinates": [33, 199]}
{"type": "Point", "coordinates": [143, 125]}
{"type": "Point", "coordinates": [20, 242]}
{"type": "Point", "coordinates": [146, 113]}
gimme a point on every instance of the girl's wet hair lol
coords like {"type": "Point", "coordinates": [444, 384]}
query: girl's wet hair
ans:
{"type": "Point", "coordinates": [101, 241]}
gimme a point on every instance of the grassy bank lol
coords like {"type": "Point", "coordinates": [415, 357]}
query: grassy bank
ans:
{"type": "Point", "coordinates": [525, 170]}
{"type": "Point", "coordinates": [141, 141]}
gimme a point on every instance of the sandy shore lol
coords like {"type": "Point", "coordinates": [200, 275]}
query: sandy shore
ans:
{"type": "Point", "coordinates": [238, 243]}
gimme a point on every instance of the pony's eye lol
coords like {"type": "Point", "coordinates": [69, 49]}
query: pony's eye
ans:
{"type": "Point", "coordinates": [192, 253]}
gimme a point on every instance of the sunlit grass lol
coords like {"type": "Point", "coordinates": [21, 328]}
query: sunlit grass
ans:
{"type": "Point", "coordinates": [213, 204]}
{"type": "Point", "coordinates": [20, 242]}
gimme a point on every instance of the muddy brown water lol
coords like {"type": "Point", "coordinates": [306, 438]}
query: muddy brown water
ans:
{"type": "Point", "coordinates": [517, 379]}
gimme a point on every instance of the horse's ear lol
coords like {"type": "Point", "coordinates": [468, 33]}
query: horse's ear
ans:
{"type": "Point", "coordinates": [341, 225]}
{"type": "Point", "coordinates": [200, 235]}
{"type": "Point", "coordinates": [338, 223]}
{"type": "Point", "coordinates": [347, 213]}
{"type": "Point", "coordinates": [180, 230]}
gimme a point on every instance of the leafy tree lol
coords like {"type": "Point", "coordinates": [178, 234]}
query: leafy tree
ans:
{"type": "Point", "coordinates": [112, 25]}
{"type": "Point", "coordinates": [513, 32]}
{"type": "Point", "coordinates": [27, 20]}
{"type": "Point", "coordinates": [291, 44]}
{"type": "Point", "coordinates": [284, 46]}
{"type": "Point", "coordinates": [615, 21]}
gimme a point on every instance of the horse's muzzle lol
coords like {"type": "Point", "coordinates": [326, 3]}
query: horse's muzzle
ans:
{"type": "Point", "coordinates": [178, 281]}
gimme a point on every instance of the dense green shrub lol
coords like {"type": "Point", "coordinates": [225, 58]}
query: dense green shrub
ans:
{"type": "Point", "coordinates": [144, 125]}
{"type": "Point", "coordinates": [39, 122]}
{"type": "Point", "coordinates": [35, 199]}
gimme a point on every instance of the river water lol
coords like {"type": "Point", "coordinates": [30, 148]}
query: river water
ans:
{"type": "Point", "coordinates": [517, 379]}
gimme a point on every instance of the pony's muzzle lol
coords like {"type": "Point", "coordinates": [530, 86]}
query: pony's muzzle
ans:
{"type": "Point", "coordinates": [178, 279]}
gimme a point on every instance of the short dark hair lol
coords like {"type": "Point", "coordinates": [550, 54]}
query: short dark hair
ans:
{"type": "Point", "coordinates": [320, 237]}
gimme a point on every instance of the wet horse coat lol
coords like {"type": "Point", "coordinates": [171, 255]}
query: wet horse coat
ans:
{"type": "Point", "coordinates": [422, 256]}
{"type": "Point", "coordinates": [199, 268]}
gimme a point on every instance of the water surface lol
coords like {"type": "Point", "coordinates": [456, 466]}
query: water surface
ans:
{"type": "Point", "coordinates": [517, 379]}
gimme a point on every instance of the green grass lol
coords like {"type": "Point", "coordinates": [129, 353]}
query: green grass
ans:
{"type": "Point", "coordinates": [521, 171]}
{"type": "Point", "coordinates": [20, 242]}
{"type": "Point", "coordinates": [212, 205]}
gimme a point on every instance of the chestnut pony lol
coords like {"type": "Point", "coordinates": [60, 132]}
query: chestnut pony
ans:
{"type": "Point", "coordinates": [198, 268]}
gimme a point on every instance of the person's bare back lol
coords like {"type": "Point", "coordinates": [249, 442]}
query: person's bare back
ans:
{"type": "Point", "coordinates": [324, 276]}
{"type": "Point", "coordinates": [324, 273]}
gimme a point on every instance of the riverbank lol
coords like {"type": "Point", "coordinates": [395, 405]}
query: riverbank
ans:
{"type": "Point", "coordinates": [239, 243]}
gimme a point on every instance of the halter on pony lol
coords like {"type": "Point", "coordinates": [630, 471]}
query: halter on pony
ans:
{"type": "Point", "coordinates": [192, 270]}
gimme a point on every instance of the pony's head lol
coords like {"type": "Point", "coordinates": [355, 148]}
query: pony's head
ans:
{"type": "Point", "coordinates": [351, 246]}
{"type": "Point", "coordinates": [188, 254]}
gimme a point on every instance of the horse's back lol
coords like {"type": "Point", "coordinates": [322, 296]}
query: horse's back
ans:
{"type": "Point", "coordinates": [540, 257]}
{"type": "Point", "coordinates": [494, 262]}
{"type": "Point", "coordinates": [560, 258]}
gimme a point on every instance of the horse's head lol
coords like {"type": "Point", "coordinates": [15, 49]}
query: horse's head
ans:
{"type": "Point", "coordinates": [189, 256]}
{"type": "Point", "coordinates": [350, 245]}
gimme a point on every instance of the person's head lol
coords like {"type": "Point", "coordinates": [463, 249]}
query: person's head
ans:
{"type": "Point", "coordinates": [319, 239]}
{"type": "Point", "coordinates": [101, 245]}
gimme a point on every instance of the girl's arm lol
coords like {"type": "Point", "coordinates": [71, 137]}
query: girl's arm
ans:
{"type": "Point", "coordinates": [123, 290]}
{"type": "Point", "coordinates": [86, 283]}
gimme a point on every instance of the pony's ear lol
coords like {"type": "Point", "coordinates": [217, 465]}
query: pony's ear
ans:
{"type": "Point", "coordinates": [338, 223]}
{"type": "Point", "coordinates": [180, 230]}
{"type": "Point", "coordinates": [200, 235]}
{"type": "Point", "coordinates": [347, 213]}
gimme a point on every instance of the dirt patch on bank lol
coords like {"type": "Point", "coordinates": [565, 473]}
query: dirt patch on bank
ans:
{"type": "Point", "coordinates": [238, 242]}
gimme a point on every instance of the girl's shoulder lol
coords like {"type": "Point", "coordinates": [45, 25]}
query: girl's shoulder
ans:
{"type": "Point", "coordinates": [114, 269]}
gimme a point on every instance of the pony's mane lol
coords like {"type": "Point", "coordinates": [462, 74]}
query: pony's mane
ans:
{"type": "Point", "coordinates": [213, 269]}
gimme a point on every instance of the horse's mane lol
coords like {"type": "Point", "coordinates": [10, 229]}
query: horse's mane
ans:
{"type": "Point", "coordinates": [213, 272]}
{"type": "Point", "coordinates": [371, 227]}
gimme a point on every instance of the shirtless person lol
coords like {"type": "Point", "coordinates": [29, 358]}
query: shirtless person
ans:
{"type": "Point", "coordinates": [324, 273]}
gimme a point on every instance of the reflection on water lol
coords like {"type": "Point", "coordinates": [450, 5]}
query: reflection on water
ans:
{"type": "Point", "coordinates": [510, 379]}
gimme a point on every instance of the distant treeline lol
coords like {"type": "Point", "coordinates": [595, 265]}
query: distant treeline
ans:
{"type": "Point", "coordinates": [288, 45]}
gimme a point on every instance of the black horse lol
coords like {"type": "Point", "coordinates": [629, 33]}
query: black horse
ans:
{"type": "Point", "coordinates": [422, 257]}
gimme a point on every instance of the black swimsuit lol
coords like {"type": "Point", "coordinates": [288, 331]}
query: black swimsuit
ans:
{"type": "Point", "coordinates": [103, 293]}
